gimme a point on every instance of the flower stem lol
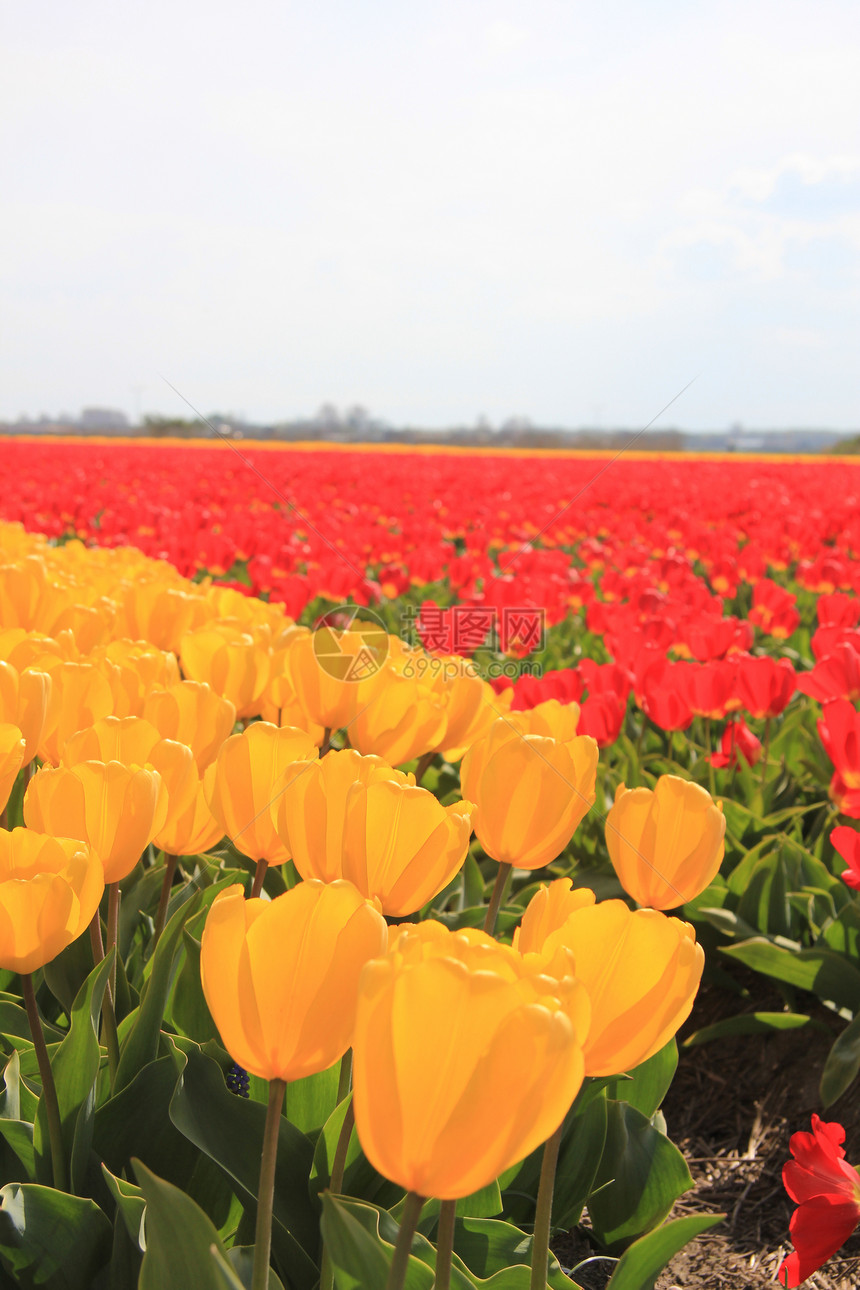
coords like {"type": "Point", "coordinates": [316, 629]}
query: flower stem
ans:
{"type": "Point", "coordinates": [423, 765]}
{"type": "Point", "coordinates": [496, 898]}
{"type": "Point", "coordinates": [49, 1088]}
{"type": "Point", "coordinates": [109, 1031]}
{"type": "Point", "coordinates": [765, 753]}
{"type": "Point", "coordinates": [543, 1215]}
{"type": "Point", "coordinates": [445, 1244]}
{"type": "Point", "coordinates": [344, 1083]}
{"type": "Point", "coordinates": [170, 862]}
{"type": "Point", "coordinates": [266, 1189]}
{"type": "Point", "coordinates": [711, 781]}
{"type": "Point", "coordinates": [325, 746]}
{"type": "Point", "coordinates": [408, 1223]}
{"type": "Point", "coordinates": [112, 929]}
{"type": "Point", "coordinates": [259, 877]}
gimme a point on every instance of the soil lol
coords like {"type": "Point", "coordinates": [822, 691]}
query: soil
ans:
{"type": "Point", "coordinates": [733, 1105]}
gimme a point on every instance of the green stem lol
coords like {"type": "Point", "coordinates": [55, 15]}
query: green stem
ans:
{"type": "Point", "coordinates": [266, 1189]}
{"type": "Point", "coordinates": [543, 1214]}
{"type": "Point", "coordinates": [445, 1244]}
{"type": "Point", "coordinates": [259, 878]}
{"type": "Point", "coordinates": [325, 746]}
{"type": "Point", "coordinates": [408, 1223]}
{"type": "Point", "coordinates": [109, 1030]}
{"type": "Point", "coordinates": [712, 784]}
{"type": "Point", "coordinates": [496, 898]}
{"type": "Point", "coordinates": [338, 1164]}
{"type": "Point", "coordinates": [423, 765]}
{"type": "Point", "coordinates": [49, 1088]}
{"type": "Point", "coordinates": [765, 753]}
{"type": "Point", "coordinates": [344, 1083]}
{"type": "Point", "coordinates": [170, 863]}
{"type": "Point", "coordinates": [112, 928]}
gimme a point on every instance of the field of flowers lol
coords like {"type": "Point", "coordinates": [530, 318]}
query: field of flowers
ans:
{"type": "Point", "coordinates": [370, 821]}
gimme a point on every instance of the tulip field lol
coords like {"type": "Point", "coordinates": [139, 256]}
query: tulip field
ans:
{"type": "Point", "coordinates": [375, 822]}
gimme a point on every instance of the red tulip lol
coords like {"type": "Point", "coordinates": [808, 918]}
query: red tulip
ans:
{"type": "Point", "coordinates": [826, 1190]}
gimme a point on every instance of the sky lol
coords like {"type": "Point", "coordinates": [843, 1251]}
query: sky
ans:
{"type": "Point", "coordinates": [560, 210]}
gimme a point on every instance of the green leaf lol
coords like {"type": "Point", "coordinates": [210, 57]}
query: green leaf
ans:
{"type": "Point", "coordinates": [188, 1010]}
{"type": "Point", "coordinates": [17, 1102]}
{"type": "Point", "coordinates": [141, 1044]}
{"type": "Point", "coordinates": [583, 1140]}
{"type": "Point", "coordinates": [241, 1260]}
{"type": "Point", "coordinates": [50, 1240]}
{"type": "Point", "coordinates": [819, 970]}
{"type": "Point", "coordinates": [358, 1254]}
{"type": "Point", "coordinates": [490, 1248]}
{"type": "Point", "coordinates": [640, 1177]}
{"type": "Point", "coordinates": [130, 1203]}
{"type": "Point", "coordinates": [66, 974]}
{"type": "Point", "coordinates": [75, 1065]}
{"type": "Point", "coordinates": [644, 1260]}
{"type": "Point", "coordinates": [183, 1248]}
{"type": "Point", "coordinates": [310, 1101]}
{"type": "Point", "coordinates": [229, 1130]}
{"type": "Point", "coordinates": [649, 1082]}
{"type": "Point", "coordinates": [842, 1065]}
{"type": "Point", "coordinates": [135, 1122]}
{"type": "Point", "coordinates": [747, 1023]}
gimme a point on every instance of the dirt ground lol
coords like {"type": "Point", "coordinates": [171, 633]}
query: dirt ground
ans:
{"type": "Point", "coordinates": [732, 1108]}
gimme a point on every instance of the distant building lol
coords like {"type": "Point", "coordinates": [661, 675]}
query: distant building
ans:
{"type": "Point", "coordinates": [103, 419]}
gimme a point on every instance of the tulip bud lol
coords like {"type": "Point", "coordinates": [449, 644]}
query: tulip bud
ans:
{"type": "Point", "coordinates": [231, 661]}
{"type": "Point", "coordinates": [530, 792]}
{"type": "Point", "coordinates": [281, 977]}
{"type": "Point", "coordinates": [665, 843]}
{"type": "Point", "coordinates": [250, 775]}
{"type": "Point", "coordinates": [50, 888]}
{"type": "Point", "coordinates": [463, 1063]}
{"type": "Point", "coordinates": [24, 697]}
{"type": "Point", "coordinates": [117, 809]}
{"type": "Point", "coordinates": [309, 815]}
{"type": "Point", "coordinates": [642, 991]}
{"type": "Point", "coordinates": [192, 713]}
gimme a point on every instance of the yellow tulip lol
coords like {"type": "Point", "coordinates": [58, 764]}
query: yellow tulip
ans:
{"type": "Point", "coordinates": [231, 661]}
{"type": "Point", "coordinates": [552, 719]}
{"type": "Point", "coordinates": [309, 814]}
{"type": "Point", "coordinates": [666, 843]}
{"type": "Point", "coordinates": [80, 695]}
{"type": "Point", "coordinates": [641, 970]}
{"type": "Point", "coordinates": [192, 713]}
{"type": "Point", "coordinates": [530, 792]}
{"type": "Point", "coordinates": [549, 908]}
{"type": "Point", "coordinates": [50, 888]}
{"type": "Point", "coordinates": [126, 739]}
{"type": "Point", "coordinates": [470, 703]}
{"type": "Point", "coordinates": [463, 1064]}
{"type": "Point", "coordinates": [136, 668]}
{"type": "Point", "coordinates": [117, 809]}
{"type": "Point", "coordinates": [399, 714]}
{"type": "Point", "coordinates": [12, 751]}
{"type": "Point", "coordinates": [401, 845]}
{"type": "Point", "coordinates": [157, 612]}
{"type": "Point", "coordinates": [192, 829]}
{"type": "Point", "coordinates": [24, 702]}
{"type": "Point", "coordinates": [326, 668]}
{"type": "Point", "coordinates": [249, 779]}
{"type": "Point", "coordinates": [281, 977]}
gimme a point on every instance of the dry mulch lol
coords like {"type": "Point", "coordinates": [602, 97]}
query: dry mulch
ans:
{"type": "Point", "coordinates": [732, 1108]}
